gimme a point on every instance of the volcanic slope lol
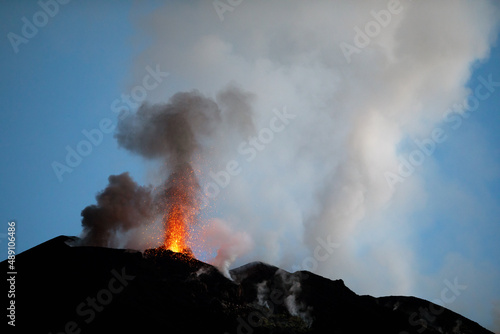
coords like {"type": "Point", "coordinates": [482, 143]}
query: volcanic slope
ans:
{"type": "Point", "coordinates": [65, 289]}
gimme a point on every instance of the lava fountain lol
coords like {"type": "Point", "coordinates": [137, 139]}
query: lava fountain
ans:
{"type": "Point", "coordinates": [182, 207]}
{"type": "Point", "coordinates": [176, 232]}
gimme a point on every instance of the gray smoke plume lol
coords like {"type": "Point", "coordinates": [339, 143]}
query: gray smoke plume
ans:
{"type": "Point", "coordinates": [189, 124]}
{"type": "Point", "coordinates": [186, 125]}
{"type": "Point", "coordinates": [120, 207]}
{"type": "Point", "coordinates": [170, 131]}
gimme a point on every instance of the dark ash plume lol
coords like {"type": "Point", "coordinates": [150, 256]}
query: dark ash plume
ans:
{"type": "Point", "coordinates": [123, 205]}
{"type": "Point", "coordinates": [172, 133]}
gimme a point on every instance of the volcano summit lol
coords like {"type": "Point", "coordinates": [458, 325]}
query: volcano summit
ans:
{"type": "Point", "coordinates": [64, 288]}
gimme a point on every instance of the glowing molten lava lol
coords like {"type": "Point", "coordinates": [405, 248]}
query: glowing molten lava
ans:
{"type": "Point", "coordinates": [182, 207]}
{"type": "Point", "coordinates": [176, 233]}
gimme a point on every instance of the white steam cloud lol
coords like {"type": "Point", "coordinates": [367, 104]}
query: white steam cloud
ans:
{"type": "Point", "coordinates": [230, 244]}
{"type": "Point", "coordinates": [361, 77]}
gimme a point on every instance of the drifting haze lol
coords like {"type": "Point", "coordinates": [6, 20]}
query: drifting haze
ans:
{"type": "Point", "coordinates": [324, 176]}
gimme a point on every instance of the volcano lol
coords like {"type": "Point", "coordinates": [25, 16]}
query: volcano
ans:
{"type": "Point", "coordinates": [62, 288]}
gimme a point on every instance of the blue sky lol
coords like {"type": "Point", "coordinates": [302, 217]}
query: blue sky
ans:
{"type": "Point", "coordinates": [64, 80]}
{"type": "Point", "coordinates": [60, 83]}
{"type": "Point", "coordinates": [469, 160]}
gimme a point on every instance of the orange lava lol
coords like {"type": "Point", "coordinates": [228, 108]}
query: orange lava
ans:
{"type": "Point", "coordinates": [182, 208]}
{"type": "Point", "coordinates": [176, 230]}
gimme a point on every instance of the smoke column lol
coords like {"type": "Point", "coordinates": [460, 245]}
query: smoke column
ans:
{"type": "Point", "coordinates": [175, 134]}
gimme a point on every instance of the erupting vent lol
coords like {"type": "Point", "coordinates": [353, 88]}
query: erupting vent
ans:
{"type": "Point", "coordinates": [175, 234]}
{"type": "Point", "coordinates": [182, 208]}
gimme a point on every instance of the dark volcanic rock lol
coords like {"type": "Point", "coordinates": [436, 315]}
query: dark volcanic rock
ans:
{"type": "Point", "coordinates": [64, 289]}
